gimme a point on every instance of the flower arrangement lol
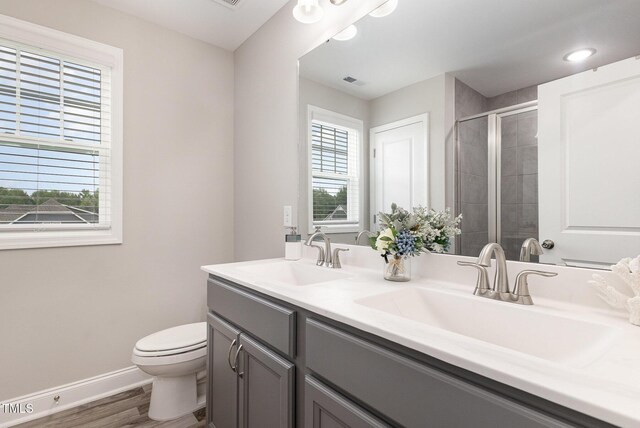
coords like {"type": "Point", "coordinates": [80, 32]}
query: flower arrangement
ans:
{"type": "Point", "coordinates": [406, 234]}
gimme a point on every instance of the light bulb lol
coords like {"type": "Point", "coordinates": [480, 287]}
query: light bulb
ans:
{"type": "Point", "coordinates": [385, 9]}
{"type": "Point", "coordinates": [346, 34]}
{"type": "Point", "coordinates": [308, 11]}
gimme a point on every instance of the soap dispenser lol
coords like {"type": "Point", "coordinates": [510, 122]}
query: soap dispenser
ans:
{"type": "Point", "coordinates": [293, 245]}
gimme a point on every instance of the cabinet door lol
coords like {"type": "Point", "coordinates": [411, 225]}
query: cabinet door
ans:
{"type": "Point", "coordinates": [222, 387]}
{"type": "Point", "coordinates": [266, 387]}
{"type": "Point", "coordinates": [325, 408]}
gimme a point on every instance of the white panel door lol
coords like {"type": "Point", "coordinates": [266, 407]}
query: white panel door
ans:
{"type": "Point", "coordinates": [589, 165]}
{"type": "Point", "coordinates": [399, 160]}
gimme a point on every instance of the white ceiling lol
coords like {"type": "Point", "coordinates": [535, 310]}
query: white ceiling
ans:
{"type": "Point", "coordinates": [203, 19]}
{"type": "Point", "coordinates": [494, 46]}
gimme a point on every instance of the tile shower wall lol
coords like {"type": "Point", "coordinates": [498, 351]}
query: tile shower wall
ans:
{"type": "Point", "coordinates": [472, 170]}
{"type": "Point", "coordinates": [519, 178]}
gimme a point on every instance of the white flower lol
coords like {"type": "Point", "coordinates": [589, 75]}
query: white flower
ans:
{"type": "Point", "coordinates": [382, 245]}
{"type": "Point", "coordinates": [437, 248]}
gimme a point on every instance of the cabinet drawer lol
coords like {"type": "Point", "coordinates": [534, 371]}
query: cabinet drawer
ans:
{"type": "Point", "coordinates": [410, 393]}
{"type": "Point", "coordinates": [271, 323]}
{"type": "Point", "coordinates": [325, 408]}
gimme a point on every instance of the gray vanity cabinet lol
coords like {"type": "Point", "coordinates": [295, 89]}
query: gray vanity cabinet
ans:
{"type": "Point", "coordinates": [222, 389]}
{"type": "Point", "coordinates": [295, 368]}
{"type": "Point", "coordinates": [266, 393]}
{"type": "Point", "coordinates": [250, 386]}
{"type": "Point", "coordinates": [251, 382]}
{"type": "Point", "coordinates": [325, 408]}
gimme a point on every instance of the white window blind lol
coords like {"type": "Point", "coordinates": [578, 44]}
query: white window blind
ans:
{"type": "Point", "coordinates": [55, 141]}
{"type": "Point", "coordinates": [335, 172]}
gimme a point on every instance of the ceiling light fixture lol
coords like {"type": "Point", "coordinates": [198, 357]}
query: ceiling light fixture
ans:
{"type": "Point", "coordinates": [579, 55]}
{"type": "Point", "coordinates": [308, 11]}
{"type": "Point", "coordinates": [346, 34]}
{"type": "Point", "coordinates": [338, 2]}
{"type": "Point", "coordinates": [385, 9]}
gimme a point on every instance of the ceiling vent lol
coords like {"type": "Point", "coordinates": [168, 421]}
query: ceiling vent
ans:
{"type": "Point", "coordinates": [353, 80]}
{"type": "Point", "coordinates": [231, 4]}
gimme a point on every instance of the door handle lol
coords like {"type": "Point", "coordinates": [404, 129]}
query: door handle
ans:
{"type": "Point", "coordinates": [235, 361]}
{"type": "Point", "coordinates": [233, 368]}
{"type": "Point", "coordinates": [548, 244]}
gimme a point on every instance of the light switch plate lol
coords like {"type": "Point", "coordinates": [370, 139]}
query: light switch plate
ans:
{"type": "Point", "coordinates": [288, 220]}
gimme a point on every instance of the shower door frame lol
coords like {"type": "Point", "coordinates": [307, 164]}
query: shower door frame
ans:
{"type": "Point", "coordinates": [494, 162]}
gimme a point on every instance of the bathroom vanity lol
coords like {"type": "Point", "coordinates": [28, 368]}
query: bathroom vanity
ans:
{"type": "Point", "coordinates": [294, 344]}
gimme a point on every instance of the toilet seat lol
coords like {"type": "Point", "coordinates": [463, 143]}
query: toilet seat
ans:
{"type": "Point", "coordinates": [173, 340]}
{"type": "Point", "coordinates": [169, 352]}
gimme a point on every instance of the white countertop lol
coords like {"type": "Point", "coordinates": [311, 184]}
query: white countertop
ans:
{"type": "Point", "coordinates": [607, 388]}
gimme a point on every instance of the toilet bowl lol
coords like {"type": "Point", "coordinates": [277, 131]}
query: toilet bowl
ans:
{"type": "Point", "coordinates": [176, 357]}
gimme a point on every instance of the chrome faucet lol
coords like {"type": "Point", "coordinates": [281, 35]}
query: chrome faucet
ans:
{"type": "Point", "coordinates": [500, 290]}
{"type": "Point", "coordinates": [501, 280]}
{"type": "Point", "coordinates": [530, 247]}
{"type": "Point", "coordinates": [324, 255]}
{"type": "Point", "coordinates": [363, 232]}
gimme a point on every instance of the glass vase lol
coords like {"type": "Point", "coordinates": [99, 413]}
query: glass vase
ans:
{"type": "Point", "coordinates": [397, 268]}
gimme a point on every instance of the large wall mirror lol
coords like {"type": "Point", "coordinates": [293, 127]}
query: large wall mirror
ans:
{"type": "Point", "coordinates": [522, 115]}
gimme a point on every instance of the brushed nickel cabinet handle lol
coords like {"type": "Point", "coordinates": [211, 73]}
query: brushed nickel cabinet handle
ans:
{"type": "Point", "coordinates": [229, 355]}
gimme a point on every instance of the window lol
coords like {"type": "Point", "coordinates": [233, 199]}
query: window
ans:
{"type": "Point", "coordinates": [60, 139]}
{"type": "Point", "coordinates": [335, 199]}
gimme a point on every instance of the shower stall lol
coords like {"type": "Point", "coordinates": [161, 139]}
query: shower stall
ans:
{"type": "Point", "coordinates": [497, 178]}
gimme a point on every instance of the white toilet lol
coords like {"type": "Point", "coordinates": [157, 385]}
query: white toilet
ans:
{"type": "Point", "coordinates": [177, 359]}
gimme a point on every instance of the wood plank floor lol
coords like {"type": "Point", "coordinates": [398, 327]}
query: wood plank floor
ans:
{"type": "Point", "coordinates": [127, 409]}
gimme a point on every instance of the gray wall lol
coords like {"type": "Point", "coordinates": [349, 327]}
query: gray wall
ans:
{"type": "Point", "coordinates": [71, 313]}
{"type": "Point", "coordinates": [266, 130]}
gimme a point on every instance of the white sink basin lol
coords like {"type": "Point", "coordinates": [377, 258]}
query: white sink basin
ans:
{"type": "Point", "coordinates": [293, 273]}
{"type": "Point", "coordinates": [524, 329]}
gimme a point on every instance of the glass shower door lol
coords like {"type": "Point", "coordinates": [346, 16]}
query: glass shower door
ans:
{"type": "Point", "coordinates": [518, 202]}
{"type": "Point", "coordinates": [497, 180]}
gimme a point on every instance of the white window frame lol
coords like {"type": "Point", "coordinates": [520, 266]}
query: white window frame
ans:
{"type": "Point", "coordinates": [342, 121]}
{"type": "Point", "coordinates": [37, 37]}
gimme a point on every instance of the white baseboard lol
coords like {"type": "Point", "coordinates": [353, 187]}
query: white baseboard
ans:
{"type": "Point", "coordinates": [71, 395]}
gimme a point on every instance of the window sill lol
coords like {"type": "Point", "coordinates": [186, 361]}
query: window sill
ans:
{"type": "Point", "coordinates": [52, 239]}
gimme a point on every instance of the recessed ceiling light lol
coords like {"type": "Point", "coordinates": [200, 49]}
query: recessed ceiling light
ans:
{"type": "Point", "coordinates": [385, 9]}
{"type": "Point", "coordinates": [346, 34]}
{"type": "Point", "coordinates": [308, 11]}
{"type": "Point", "coordinates": [579, 55]}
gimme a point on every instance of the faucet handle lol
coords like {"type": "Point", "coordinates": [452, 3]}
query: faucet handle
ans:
{"type": "Point", "coordinates": [336, 258]}
{"type": "Point", "coordinates": [521, 290]}
{"type": "Point", "coordinates": [482, 284]}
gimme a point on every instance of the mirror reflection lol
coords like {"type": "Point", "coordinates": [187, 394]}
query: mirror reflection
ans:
{"type": "Point", "coordinates": [519, 115]}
